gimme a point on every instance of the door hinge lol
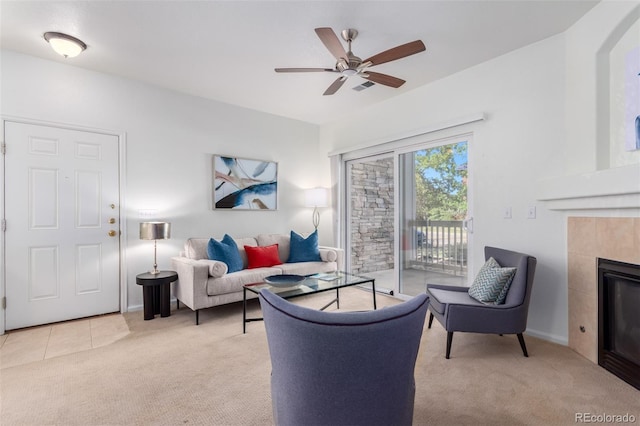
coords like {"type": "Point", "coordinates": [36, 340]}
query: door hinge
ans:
{"type": "Point", "coordinates": [3, 148]}
{"type": "Point", "coordinates": [4, 225]}
{"type": "Point", "coordinates": [4, 303]}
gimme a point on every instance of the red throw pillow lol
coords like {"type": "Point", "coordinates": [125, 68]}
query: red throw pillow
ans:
{"type": "Point", "coordinates": [265, 256]}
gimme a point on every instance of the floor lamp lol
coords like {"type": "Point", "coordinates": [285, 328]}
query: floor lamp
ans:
{"type": "Point", "coordinates": [155, 231]}
{"type": "Point", "coordinates": [316, 197]}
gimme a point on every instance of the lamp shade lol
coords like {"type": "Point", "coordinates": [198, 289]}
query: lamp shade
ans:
{"type": "Point", "coordinates": [316, 197]}
{"type": "Point", "coordinates": [155, 231]}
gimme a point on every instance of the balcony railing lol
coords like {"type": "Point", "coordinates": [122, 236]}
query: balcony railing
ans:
{"type": "Point", "coordinates": [439, 245]}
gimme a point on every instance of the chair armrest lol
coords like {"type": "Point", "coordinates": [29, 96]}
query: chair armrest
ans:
{"type": "Point", "coordinates": [191, 287]}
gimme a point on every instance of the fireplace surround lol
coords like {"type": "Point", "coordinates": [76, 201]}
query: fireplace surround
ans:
{"type": "Point", "coordinates": [619, 319]}
{"type": "Point", "coordinates": [590, 238]}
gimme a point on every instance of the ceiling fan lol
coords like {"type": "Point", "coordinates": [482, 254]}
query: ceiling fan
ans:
{"type": "Point", "coordinates": [348, 64]}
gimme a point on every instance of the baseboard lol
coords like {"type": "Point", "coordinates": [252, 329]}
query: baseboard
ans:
{"type": "Point", "coordinates": [561, 340]}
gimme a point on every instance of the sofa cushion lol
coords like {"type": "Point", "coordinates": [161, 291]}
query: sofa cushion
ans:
{"type": "Point", "coordinates": [304, 249]}
{"type": "Point", "coordinates": [225, 251]}
{"type": "Point", "coordinates": [259, 257]}
{"type": "Point", "coordinates": [306, 268]}
{"type": "Point", "coordinates": [241, 242]}
{"type": "Point", "coordinates": [196, 248]}
{"type": "Point", "coordinates": [491, 282]}
{"type": "Point", "coordinates": [232, 283]}
{"type": "Point", "coordinates": [280, 239]}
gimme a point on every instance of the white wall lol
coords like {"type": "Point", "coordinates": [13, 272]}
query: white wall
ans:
{"type": "Point", "coordinates": [541, 104]}
{"type": "Point", "coordinates": [170, 140]}
{"type": "Point", "coordinates": [521, 94]}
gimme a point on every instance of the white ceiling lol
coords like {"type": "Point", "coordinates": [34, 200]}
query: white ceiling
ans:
{"type": "Point", "coordinates": [227, 50]}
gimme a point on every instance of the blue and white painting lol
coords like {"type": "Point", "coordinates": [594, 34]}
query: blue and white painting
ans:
{"type": "Point", "coordinates": [244, 184]}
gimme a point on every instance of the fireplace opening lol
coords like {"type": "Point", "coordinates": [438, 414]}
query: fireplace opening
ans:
{"type": "Point", "coordinates": [619, 319]}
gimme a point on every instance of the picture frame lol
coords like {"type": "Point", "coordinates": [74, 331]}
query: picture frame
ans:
{"type": "Point", "coordinates": [244, 184]}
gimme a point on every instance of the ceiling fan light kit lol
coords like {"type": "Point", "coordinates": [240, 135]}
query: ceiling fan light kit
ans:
{"type": "Point", "coordinates": [349, 65]}
{"type": "Point", "coordinates": [64, 44]}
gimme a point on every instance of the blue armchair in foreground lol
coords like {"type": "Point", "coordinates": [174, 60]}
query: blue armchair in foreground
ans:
{"type": "Point", "coordinates": [342, 368]}
{"type": "Point", "coordinates": [456, 310]}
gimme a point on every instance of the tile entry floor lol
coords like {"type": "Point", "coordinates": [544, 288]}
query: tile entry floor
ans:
{"type": "Point", "coordinates": [37, 343]}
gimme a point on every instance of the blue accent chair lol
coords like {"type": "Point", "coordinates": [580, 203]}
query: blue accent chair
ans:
{"type": "Point", "coordinates": [457, 311]}
{"type": "Point", "coordinates": [342, 368]}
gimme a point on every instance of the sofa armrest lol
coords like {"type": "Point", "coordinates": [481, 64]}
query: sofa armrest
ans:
{"type": "Point", "coordinates": [216, 268]}
{"type": "Point", "coordinates": [332, 254]}
{"type": "Point", "coordinates": [191, 287]}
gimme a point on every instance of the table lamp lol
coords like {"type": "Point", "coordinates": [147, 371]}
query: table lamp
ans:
{"type": "Point", "coordinates": [315, 197]}
{"type": "Point", "coordinates": [155, 231]}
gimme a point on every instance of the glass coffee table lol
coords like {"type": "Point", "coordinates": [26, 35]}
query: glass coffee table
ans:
{"type": "Point", "coordinates": [312, 284]}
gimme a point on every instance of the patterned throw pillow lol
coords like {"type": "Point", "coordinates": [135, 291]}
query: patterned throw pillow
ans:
{"type": "Point", "coordinates": [492, 283]}
{"type": "Point", "coordinates": [225, 251]}
{"type": "Point", "coordinates": [304, 249]}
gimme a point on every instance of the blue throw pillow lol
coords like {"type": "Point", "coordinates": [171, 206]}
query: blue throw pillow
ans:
{"type": "Point", "coordinates": [304, 249]}
{"type": "Point", "coordinates": [225, 251]}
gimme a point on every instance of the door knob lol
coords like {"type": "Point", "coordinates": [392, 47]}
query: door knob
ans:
{"type": "Point", "coordinates": [112, 233]}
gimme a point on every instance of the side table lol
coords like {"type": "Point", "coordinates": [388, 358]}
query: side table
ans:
{"type": "Point", "coordinates": [156, 292]}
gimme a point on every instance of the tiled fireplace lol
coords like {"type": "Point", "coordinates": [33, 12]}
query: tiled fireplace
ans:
{"type": "Point", "coordinates": [590, 238]}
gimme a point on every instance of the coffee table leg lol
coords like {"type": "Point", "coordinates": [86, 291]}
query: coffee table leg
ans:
{"type": "Point", "coordinates": [244, 310]}
{"type": "Point", "coordinates": [373, 290]}
{"type": "Point", "coordinates": [337, 298]}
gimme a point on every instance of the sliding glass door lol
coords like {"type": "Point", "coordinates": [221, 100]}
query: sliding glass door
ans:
{"type": "Point", "coordinates": [432, 189]}
{"type": "Point", "coordinates": [406, 215]}
{"type": "Point", "coordinates": [370, 218]}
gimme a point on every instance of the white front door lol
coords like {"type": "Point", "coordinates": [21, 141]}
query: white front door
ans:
{"type": "Point", "coordinates": [62, 224]}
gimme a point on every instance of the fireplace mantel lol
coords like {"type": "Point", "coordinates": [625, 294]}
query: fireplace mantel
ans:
{"type": "Point", "coordinates": [617, 188]}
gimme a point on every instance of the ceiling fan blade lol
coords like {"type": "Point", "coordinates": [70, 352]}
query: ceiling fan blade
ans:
{"type": "Point", "coordinates": [384, 79]}
{"type": "Point", "coordinates": [305, 70]}
{"type": "Point", "coordinates": [335, 86]}
{"type": "Point", "coordinates": [331, 41]}
{"type": "Point", "coordinates": [397, 52]}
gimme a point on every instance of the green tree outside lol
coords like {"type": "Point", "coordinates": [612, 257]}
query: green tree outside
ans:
{"type": "Point", "coordinates": [441, 182]}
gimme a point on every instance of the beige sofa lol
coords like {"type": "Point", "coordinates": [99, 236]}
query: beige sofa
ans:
{"type": "Point", "coordinates": [203, 283]}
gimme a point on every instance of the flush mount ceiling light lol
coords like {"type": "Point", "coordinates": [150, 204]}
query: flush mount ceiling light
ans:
{"type": "Point", "coordinates": [64, 44]}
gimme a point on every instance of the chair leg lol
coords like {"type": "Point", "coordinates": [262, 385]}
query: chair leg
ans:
{"type": "Point", "coordinates": [449, 340]}
{"type": "Point", "coordinates": [430, 319]}
{"type": "Point", "coordinates": [522, 345]}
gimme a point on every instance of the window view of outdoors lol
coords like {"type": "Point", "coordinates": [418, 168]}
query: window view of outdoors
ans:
{"type": "Point", "coordinates": [432, 189]}
{"type": "Point", "coordinates": [440, 209]}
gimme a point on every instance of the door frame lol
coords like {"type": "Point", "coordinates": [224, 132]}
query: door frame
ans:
{"type": "Point", "coordinates": [122, 238]}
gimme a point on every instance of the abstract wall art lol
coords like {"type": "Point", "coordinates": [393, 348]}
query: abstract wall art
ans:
{"type": "Point", "coordinates": [244, 184]}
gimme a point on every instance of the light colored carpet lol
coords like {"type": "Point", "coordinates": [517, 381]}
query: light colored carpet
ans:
{"type": "Point", "coordinates": [170, 372]}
